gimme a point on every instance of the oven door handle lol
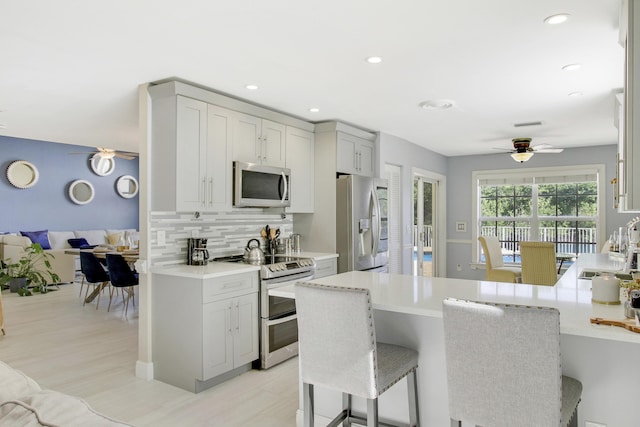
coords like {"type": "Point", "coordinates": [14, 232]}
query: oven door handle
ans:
{"type": "Point", "coordinates": [282, 320]}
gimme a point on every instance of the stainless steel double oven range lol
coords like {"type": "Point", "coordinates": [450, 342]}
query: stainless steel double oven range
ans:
{"type": "Point", "coordinates": [278, 318]}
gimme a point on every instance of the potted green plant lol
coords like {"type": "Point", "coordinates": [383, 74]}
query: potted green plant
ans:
{"type": "Point", "coordinates": [33, 269]}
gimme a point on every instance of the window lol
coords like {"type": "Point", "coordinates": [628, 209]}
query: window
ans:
{"type": "Point", "coordinates": [559, 205]}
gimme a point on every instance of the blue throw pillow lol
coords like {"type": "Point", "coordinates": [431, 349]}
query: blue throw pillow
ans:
{"type": "Point", "coordinates": [78, 243]}
{"type": "Point", "coordinates": [41, 237]}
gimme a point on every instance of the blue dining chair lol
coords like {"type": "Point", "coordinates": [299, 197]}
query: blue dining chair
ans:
{"type": "Point", "coordinates": [121, 277]}
{"type": "Point", "coordinates": [94, 273]}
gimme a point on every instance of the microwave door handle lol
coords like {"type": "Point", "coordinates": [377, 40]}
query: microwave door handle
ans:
{"type": "Point", "coordinates": [286, 188]}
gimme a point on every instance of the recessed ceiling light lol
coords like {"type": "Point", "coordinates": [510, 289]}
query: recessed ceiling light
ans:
{"type": "Point", "coordinates": [437, 104]}
{"type": "Point", "coordinates": [374, 60]}
{"type": "Point", "coordinates": [575, 94]}
{"type": "Point", "coordinates": [314, 109]}
{"type": "Point", "coordinates": [571, 67]}
{"type": "Point", "coordinates": [556, 19]}
{"type": "Point", "coordinates": [251, 87]}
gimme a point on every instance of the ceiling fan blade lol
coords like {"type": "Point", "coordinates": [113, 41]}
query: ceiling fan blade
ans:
{"type": "Point", "coordinates": [549, 150]}
{"type": "Point", "coordinates": [508, 150]}
{"type": "Point", "coordinates": [125, 156]}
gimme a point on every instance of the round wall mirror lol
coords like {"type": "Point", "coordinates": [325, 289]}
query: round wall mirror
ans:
{"type": "Point", "coordinates": [81, 192]}
{"type": "Point", "coordinates": [127, 186]}
{"type": "Point", "coordinates": [22, 174]}
{"type": "Point", "coordinates": [101, 165]}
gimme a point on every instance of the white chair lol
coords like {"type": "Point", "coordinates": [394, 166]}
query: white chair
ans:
{"type": "Point", "coordinates": [503, 366]}
{"type": "Point", "coordinates": [538, 263]}
{"type": "Point", "coordinates": [496, 270]}
{"type": "Point", "coordinates": [338, 350]}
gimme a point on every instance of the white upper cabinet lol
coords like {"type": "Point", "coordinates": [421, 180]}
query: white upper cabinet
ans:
{"type": "Point", "coordinates": [300, 159]}
{"type": "Point", "coordinates": [191, 154]}
{"type": "Point", "coordinates": [257, 140]}
{"type": "Point", "coordinates": [355, 155]}
{"type": "Point", "coordinates": [192, 143]}
{"type": "Point", "coordinates": [629, 151]}
{"type": "Point", "coordinates": [219, 169]}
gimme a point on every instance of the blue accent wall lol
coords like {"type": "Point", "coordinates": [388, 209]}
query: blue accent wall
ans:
{"type": "Point", "coordinates": [47, 205]}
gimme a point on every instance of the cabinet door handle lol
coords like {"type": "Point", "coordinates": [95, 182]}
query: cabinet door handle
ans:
{"type": "Point", "coordinates": [203, 202]}
{"type": "Point", "coordinates": [238, 316]}
{"type": "Point", "coordinates": [264, 148]}
{"type": "Point", "coordinates": [229, 318]}
{"type": "Point", "coordinates": [210, 191]}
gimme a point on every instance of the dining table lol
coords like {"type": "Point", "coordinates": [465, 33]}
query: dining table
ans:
{"type": "Point", "coordinates": [129, 255]}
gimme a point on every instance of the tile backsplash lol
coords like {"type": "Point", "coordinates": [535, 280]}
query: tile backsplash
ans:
{"type": "Point", "coordinates": [227, 233]}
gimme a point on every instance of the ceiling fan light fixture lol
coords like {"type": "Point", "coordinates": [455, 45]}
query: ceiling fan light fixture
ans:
{"type": "Point", "coordinates": [522, 157]}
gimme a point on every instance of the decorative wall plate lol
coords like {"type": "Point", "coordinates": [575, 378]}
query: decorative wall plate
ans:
{"type": "Point", "coordinates": [22, 174]}
{"type": "Point", "coordinates": [127, 186]}
{"type": "Point", "coordinates": [81, 192]}
{"type": "Point", "coordinates": [101, 165]}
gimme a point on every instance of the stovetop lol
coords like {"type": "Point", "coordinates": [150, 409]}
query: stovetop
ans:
{"type": "Point", "coordinates": [277, 266]}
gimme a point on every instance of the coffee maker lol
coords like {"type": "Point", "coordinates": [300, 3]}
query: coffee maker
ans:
{"type": "Point", "coordinates": [197, 253]}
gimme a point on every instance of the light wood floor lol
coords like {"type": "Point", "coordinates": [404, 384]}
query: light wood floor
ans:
{"type": "Point", "coordinates": [91, 354]}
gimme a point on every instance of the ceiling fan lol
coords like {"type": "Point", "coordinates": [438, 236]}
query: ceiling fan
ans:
{"type": "Point", "coordinates": [523, 150]}
{"type": "Point", "coordinates": [109, 153]}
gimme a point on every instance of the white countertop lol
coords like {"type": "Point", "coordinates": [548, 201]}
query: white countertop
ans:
{"type": "Point", "coordinates": [219, 269]}
{"type": "Point", "coordinates": [209, 271]}
{"type": "Point", "coordinates": [423, 296]}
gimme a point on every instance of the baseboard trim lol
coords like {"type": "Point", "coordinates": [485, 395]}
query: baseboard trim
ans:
{"type": "Point", "coordinates": [144, 370]}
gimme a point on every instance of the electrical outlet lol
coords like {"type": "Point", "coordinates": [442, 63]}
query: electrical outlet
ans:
{"type": "Point", "coordinates": [459, 267]}
{"type": "Point", "coordinates": [162, 237]}
{"type": "Point", "coordinates": [593, 424]}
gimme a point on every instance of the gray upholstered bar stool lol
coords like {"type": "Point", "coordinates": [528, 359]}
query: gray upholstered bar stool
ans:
{"type": "Point", "coordinates": [503, 366]}
{"type": "Point", "coordinates": [338, 350]}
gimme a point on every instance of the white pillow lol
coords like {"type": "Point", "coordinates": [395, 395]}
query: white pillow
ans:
{"type": "Point", "coordinates": [93, 237]}
{"type": "Point", "coordinates": [59, 239]}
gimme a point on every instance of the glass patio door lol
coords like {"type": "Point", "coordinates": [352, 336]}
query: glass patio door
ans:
{"type": "Point", "coordinates": [424, 214]}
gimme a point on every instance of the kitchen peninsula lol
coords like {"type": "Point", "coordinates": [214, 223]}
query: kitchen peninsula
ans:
{"type": "Point", "coordinates": [408, 311]}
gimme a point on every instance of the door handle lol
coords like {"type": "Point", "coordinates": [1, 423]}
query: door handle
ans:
{"type": "Point", "coordinates": [203, 201]}
{"type": "Point", "coordinates": [210, 191]}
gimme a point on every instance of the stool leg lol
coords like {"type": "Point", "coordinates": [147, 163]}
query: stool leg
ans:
{"type": "Point", "coordinates": [372, 412]}
{"type": "Point", "coordinates": [346, 407]}
{"type": "Point", "coordinates": [307, 404]}
{"type": "Point", "coordinates": [412, 389]}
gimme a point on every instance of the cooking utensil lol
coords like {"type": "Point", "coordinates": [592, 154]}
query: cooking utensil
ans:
{"type": "Point", "coordinates": [627, 324]}
{"type": "Point", "coordinates": [253, 254]}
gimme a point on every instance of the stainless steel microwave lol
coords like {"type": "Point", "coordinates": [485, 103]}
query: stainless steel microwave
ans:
{"type": "Point", "coordinates": [260, 186]}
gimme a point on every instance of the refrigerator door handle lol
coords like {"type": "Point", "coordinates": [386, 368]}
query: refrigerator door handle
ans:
{"type": "Point", "coordinates": [375, 223]}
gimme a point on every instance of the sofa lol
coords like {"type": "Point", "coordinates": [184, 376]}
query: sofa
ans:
{"type": "Point", "coordinates": [12, 246]}
{"type": "Point", "coordinates": [23, 403]}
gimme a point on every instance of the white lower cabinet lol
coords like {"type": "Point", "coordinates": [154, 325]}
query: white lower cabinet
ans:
{"type": "Point", "coordinates": [204, 330]}
{"type": "Point", "coordinates": [230, 335]}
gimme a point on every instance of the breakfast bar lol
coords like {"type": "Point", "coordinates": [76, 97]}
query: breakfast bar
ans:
{"type": "Point", "coordinates": [408, 312]}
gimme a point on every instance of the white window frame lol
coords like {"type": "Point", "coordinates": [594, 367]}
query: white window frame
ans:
{"type": "Point", "coordinates": [516, 176]}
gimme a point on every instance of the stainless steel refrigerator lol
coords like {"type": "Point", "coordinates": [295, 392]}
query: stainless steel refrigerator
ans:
{"type": "Point", "coordinates": [362, 223]}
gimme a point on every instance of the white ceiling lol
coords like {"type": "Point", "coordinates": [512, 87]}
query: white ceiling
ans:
{"type": "Point", "coordinates": [69, 69]}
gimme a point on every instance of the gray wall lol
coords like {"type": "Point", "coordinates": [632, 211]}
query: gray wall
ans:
{"type": "Point", "coordinates": [46, 204]}
{"type": "Point", "coordinates": [397, 151]}
{"type": "Point", "coordinates": [460, 189]}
